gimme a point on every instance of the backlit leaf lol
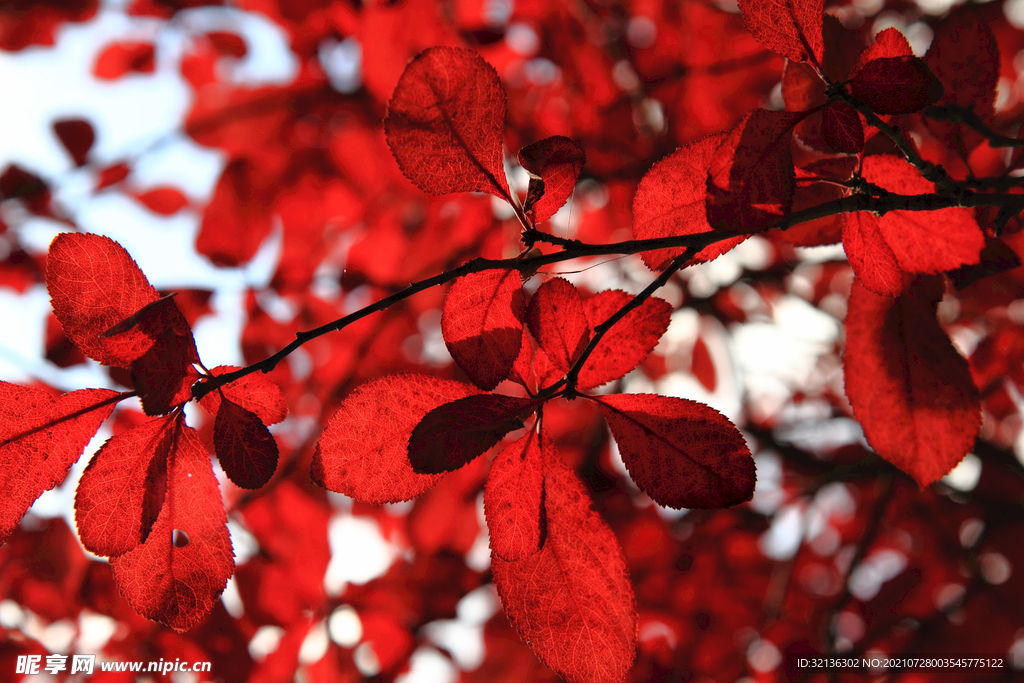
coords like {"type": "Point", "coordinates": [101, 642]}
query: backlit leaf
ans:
{"type": "Point", "coordinates": [841, 128]}
{"type": "Point", "coordinates": [964, 57]}
{"type": "Point", "coordinates": [120, 59]}
{"type": "Point", "coordinates": [681, 453]}
{"type": "Point", "coordinates": [165, 201]}
{"type": "Point", "coordinates": [791, 28]}
{"type": "Point", "coordinates": [482, 324]}
{"type": "Point", "coordinates": [870, 255]}
{"type": "Point", "coordinates": [77, 136]}
{"type": "Point", "coordinates": [558, 321]}
{"type": "Point", "coordinates": [514, 498]}
{"type": "Point", "coordinates": [554, 165]}
{"type": "Point", "coordinates": [363, 451]}
{"type": "Point", "coordinates": [40, 439]}
{"type": "Point", "coordinates": [628, 342]}
{"type": "Point", "coordinates": [244, 446]}
{"type": "Point", "coordinates": [575, 590]}
{"type": "Point", "coordinates": [909, 388]}
{"type": "Point", "coordinates": [446, 122]}
{"type": "Point", "coordinates": [895, 85]}
{"type": "Point", "coordinates": [254, 392]}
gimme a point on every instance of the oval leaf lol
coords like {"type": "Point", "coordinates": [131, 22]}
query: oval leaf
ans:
{"type": "Point", "coordinates": [575, 590]}
{"type": "Point", "coordinates": [558, 321]}
{"type": "Point", "coordinates": [629, 341]}
{"type": "Point", "coordinates": [514, 499]}
{"type": "Point", "coordinates": [482, 324]}
{"type": "Point", "coordinates": [792, 29]}
{"type": "Point", "coordinates": [446, 121]}
{"type": "Point", "coordinates": [895, 85]}
{"type": "Point", "coordinates": [254, 392]}
{"type": "Point", "coordinates": [681, 453]}
{"type": "Point", "coordinates": [363, 452]}
{"type": "Point", "coordinates": [870, 255]}
{"type": "Point", "coordinates": [554, 165]}
{"type": "Point", "coordinates": [245, 447]}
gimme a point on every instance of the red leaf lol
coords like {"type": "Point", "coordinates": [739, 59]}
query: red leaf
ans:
{"type": "Point", "coordinates": [514, 498]}
{"type": "Point", "coordinates": [452, 435]}
{"type": "Point", "coordinates": [40, 439]}
{"type": "Point", "coordinates": [123, 489]}
{"type": "Point", "coordinates": [701, 365]}
{"type": "Point", "coordinates": [245, 447]}
{"type": "Point", "coordinates": [679, 452]}
{"type": "Point", "coordinates": [750, 179]}
{"type": "Point", "coordinates": [791, 29]}
{"type": "Point", "coordinates": [255, 392]}
{"type": "Point", "coordinates": [670, 201]}
{"type": "Point", "coordinates": [363, 451]}
{"type": "Point", "coordinates": [118, 59]}
{"type": "Point", "coordinates": [554, 165]}
{"type": "Point", "coordinates": [909, 388]}
{"type": "Point", "coordinates": [177, 574]}
{"type": "Point", "coordinates": [482, 324]}
{"type": "Point", "coordinates": [558, 321]}
{"type": "Point", "coordinates": [523, 367]}
{"type": "Point", "coordinates": [997, 257]}
{"type": "Point", "coordinates": [94, 284]}
{"type": "Point", "coordinates": [77, 136]}
{"type": "Point", "coordinates": [964, 57]}
{"type": "Point", "coordinates": [446, 121]}
{"type": "Point", "coordinates": [888, 43]}
{"type": "Point", "coordinates": [895, 85]}
{"type": "Point", "coordinates": [238, 217]}
{"type": "Point", "coordinates": [572, 602]}
{"type": "Point", "coordinates": [842, 129]}
{"type": "Point", "coordinates": [628, 342]}
{"type": "Point", "coordinates": [165, 201]}
{"type": "Point", "coordinates": [111, 175]}
{"type": "Point", "coordinates": [923, 241]}
{"type": "Point", "coordinates": [870, 255]}
{"type": "Point", "coordinates": [228, 44]}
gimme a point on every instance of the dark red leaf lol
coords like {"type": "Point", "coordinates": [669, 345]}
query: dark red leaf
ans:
{"type": "Point", "coordinates": [895, 85]}
{"type": "Point", "coordinates": [446, 122]}
{"type": "Point", "coordinates": [363, 451]}
{"type": "Point", "coordinates": [165, 201]}
{"type": "Point", "coordinates": [701, 365]}
{"type": "Point", "coordinates": [576, 590]}
{"type": "Point", "coordinates": [119, 59]}
{"type": "Point", "coordinates": [681, 453]}
{"type": "Point", "coordinates": [750, 179]}
{"type": "Point", "coordinates": [255, 392]}
{"type": "Point", "coordinates": [964, 57]}
{"type": "Point", "coordinates": [888, 43]}
{"type": "Point", "coordinates": [558, 321]}
{"type": "Point", "coordinates": [670, 201]}
{"type": "Point", "coordinates": [909, 388]}
{"type": "Point", "coordinates": [451, 435]}
{"type": "Point", "coordinates": [40, 439]}
{"type": "Point", "coordinates": [841, 128]}
{"type": "Point", "coordinates": [177, 574]}
{"type": "Point", "coordinates": [228, 44]}
{"type": "Point", "coordinates": [482, 324]}
{"type": "Point", "coordinates": [923, 241]}
{"type": "Point", "coordinates": [77, 136]}
{"type": "Point", "coordinates": [522, 369]}
{"type": "Point", "coordinates": [997, 257]}
{"type": "Point", "coordinates": [554, 165]}
{"type": "Point", "coordinates": [122, 490]}
{"type": "Point", "coordinates": [870, 255]}
{"type": "Point", "coordinates": [244, 446]}
{"type": "Point", "coordinates": [628, 342]}
{"type": "Point", "coordinates": [791, 28]}
{"type": "Point", "coordinates": [514, 498]}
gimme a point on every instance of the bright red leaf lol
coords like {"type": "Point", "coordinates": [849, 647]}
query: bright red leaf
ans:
{"type": "Point", "coordinates": [77, 136]}
{"type": "Point", "coordinates": [363, 451]}
{"type": "Point", "coordinates": [681, 453]}
{"type": "Point", "coordinates": [558, 321]}
{"type": "Point", "coordinates": [446, 122]}
{"type": "Point", "coordinates": [791, 29]}
{"type": "Point", "coordinates": [514, 498]}
{"type": "Point", "coordinates": [254, 392]}
{"type": "Point", "coordinates": [575, 590]}
{"type": "Point", "coordinates": [870, 255]}
{"type": "Point", "coordinates": [165, 201]}
{"type": "Point", "coordinates": [41, 437]}
{"type": "Point", "coordinates": [123, 489]}
{"type": "Point", "coordinates": [482, 324]}
{"type": "Point", "coordinates": [451, 435]}
{"type": "Point", "coordinates": [177, 574]}
{"type": "Point", "coordinates": [554, 165]}
{"type": "Point", "coordinates": [245, 447]}
{"type": "Point", "coordinates": [909, 388]}
{"type": "Point", "coordinates": [750, 178]}
{"type": "Point", "coordinates": [628, 342]}
{"type": "Point", "coordinates": [119, 59]}
{"type": "Point", "coordinates": [670, 201]}
{"type": "Point", "coordinates": [888, 43]}
{"type": "Point", "coordinates": [702, 366]}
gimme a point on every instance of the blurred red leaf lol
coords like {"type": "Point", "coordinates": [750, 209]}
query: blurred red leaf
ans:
{"type": "Point", "coordinates": [41, 437]}
{"type": "Point", "coordinates": [791, 29]}
{"type": "Point", "coordinates": [177, 574]}
{"type": "Point", "coordinates": [254, 392]}
{"type": "Point", "coordinates": [111, 175]}
{"type": "Point", "coordinates": [701, 365]}
{"type": "Point", "coordinates": [165, 201]}
{"type": "Point", "coordinates": [446, 121]}
{"type": "Point", "coordinates": [119, 59]}
{"type": "Point", "coordinates": [238, 217]}
{"type": "Point", "coordinates": [244, 446]}
{"type": "Point", "coordinates": [455, 433]}
{"type": "Point", "coordinates": [77, 136]}
{"type": "Point", "coordinates": [363, 451]}
{"type": "Point", "coordinates": [558, 321]}
{"type": "Point", "coordinates": [575, 590]}
{"type": "Point", "coordinates": [670, 201]}
{"type": "Point", "coordinates": [229, 44]}
{"type": "Point", "coordinates": [554, 165]}
{"type": "Point", "coordinates": [628, 342]}
{"type": "Point", "coordinates": [681, 453]}
{"type": "Point", "coordinates": [909, 388]}
{"type": "Point", "coordinates": [482, 324]}
{"type": "Point", "coordinates": [514, 498]}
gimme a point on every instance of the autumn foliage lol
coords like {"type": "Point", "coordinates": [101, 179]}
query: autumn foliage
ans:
{"type": "Point", "coordinates": [522, 264]}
